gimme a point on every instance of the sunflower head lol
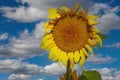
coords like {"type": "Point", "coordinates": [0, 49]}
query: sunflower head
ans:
{"type": "Point", "coordinates": [70, 34]}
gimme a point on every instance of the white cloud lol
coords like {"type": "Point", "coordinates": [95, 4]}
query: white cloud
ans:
{"type": "Point", "coordinates": [54, 69]}
{"type": "Point", "coordinates": [109, 19]}
{"type": "Point", "coordinates": [24, 14]}
{"type": "Point", "coordinates": [23, 70]}
{"type": "Point", "coordinates": [114, 45]}
{"type": "Point", "coordinates": [40, 79]}
{"type": "Point", "coordinates": [98, 7]}
{"type": "Point", "coordinates": [105, 71]}
{"type": "Point", "coordinates": [19, 77]}
{"type": "Point", "coordinates": [18, 67]}
{"type": "Point", "coordinates": [27, 45]}
{"type": "Point", "coordinates": [3, 36]}
{"type": "Point", "coordinates": [109, 73]}
{"type": "Point", "coordinates": [45, 4]}
{"type": "Point", "coordinates": [99, 59]}
{"type": "Point", "coordinates": [37, 9]}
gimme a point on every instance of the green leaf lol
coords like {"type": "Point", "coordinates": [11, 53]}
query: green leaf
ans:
{"type": "Point", "coordinates": [102, 36]}
{"type": "Point", "coordinates": [82, 77]}
{"type": "Point", "coordinates": [91, 75]}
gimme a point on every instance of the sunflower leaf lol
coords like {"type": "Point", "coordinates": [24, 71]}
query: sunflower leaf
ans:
{"type": "Point", "coordinates": [102, 36]}
{"type": "Point", "coordinates": [82, 77]}
{"type": "Point", "coordinates": [90, 75]}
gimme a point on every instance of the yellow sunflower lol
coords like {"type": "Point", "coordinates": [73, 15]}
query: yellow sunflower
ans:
{"type": "Point", "coordinates": [69, 35]}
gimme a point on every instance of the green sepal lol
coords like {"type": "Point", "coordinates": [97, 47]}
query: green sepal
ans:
{"type": "Point", "coordinates": [102, 36]}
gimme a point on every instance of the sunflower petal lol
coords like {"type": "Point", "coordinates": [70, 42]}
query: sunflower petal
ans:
{"type": "Point", "coordinates": [47, 37]}
{"type": "Point", "coordinates": [70, 57]}
{"type": "Point", "coordinates": [52, 53]}
{"type": "Point", "coordinates": [91, 42]}
{"type": "Point", "coordinates": [94, 30]}
{"type": "Point", "coordinates": [64, 8]}
{"type": "Point", "coordinates": [98, 39]}
{"type": "Point", "coordinates": [45, 24]}
{"type": "Point", "coordinates": [56, 57]}
{"type": "Point", "coordinates": [82, 60]}
{"type": "Point", "coordinates": [47, 44]}
{"type": "Point", "coordinates": [89, 48]}
{"type": "Point", "coordinates": [85, 52]}
{"type": "Point", "coordinates": [92, 16]}
{"type": "Point", "coordinates": [47, 30]}
{"type": "Point", "coordinates": [53, 13]}
{"type": "Point", "coordinates": [92, 22]}
{"type": "Point", "coordinates": [76, 57]}
{"type": "Point", "coordinates": [64, 58]}
{"type": "Point", "coordinates": [47, 27]}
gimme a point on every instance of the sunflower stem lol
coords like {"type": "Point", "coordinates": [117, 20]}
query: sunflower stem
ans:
{"type": "Point", "coordinates": [68, 70]}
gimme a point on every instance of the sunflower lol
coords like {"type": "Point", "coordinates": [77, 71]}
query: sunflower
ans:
{"type": "Point", "coordinates": [70, 35]}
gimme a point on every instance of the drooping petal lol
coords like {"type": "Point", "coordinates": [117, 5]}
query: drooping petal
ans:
{"type": "Point", "coordinates": [56, 57]}
{"type": "Point", "coordinates": [82, 59]}
{"type": "Point", "coordinates": [52, 53]}
{"type": "Point", "coordinates": [70, 57]}
{"type": "Point", "coordinates": [76, 56]}
{"type": "Point", "coordinates": [48, 44]}
{"type": "Point", "coordinates": [47, 37]}
{"type": "Point", "coordinates": [64, 58]}
{"type": "Point", "coordinates": [89, 48]}
{"type": "Point", "coordinates": [98, 39]}
{"type": "Point", "coordinates": [91, 42]}
{"type": "Point", "coordinates": [84, 52]}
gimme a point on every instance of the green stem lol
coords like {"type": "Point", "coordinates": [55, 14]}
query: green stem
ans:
{"type": "Point", "coordinates": [68, 70]}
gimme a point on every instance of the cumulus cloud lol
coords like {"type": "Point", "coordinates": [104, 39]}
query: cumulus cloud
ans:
{"type": "Point", "coordinates": [114, 45]}
{"type": "Point", "coordinates": [54, 69]}
{"type": "Point", "coordinates": [19, 77]}
{"type": "Point", "coordinates": [99, 59]}
{"type": "Point", "coordinates": [23, 70]}
{"type": "Point", "coordinates": [40, 79]}
{"type": "Point", "coordinates": [37, 9]}
{"type": "Point", "coordinates": [27, 45]}
{"type": "Point", "coordinates": [109, 73]}
{"type": "Point", "coordinates": [18, 67]}
{"type": "Point", "coordinates": [3, 36]}
{"type": "Point", "coordinates": [109, 18]}
{"type": "Point", "coordinates": [24, 14]}
{"type": "Point", "coordinates": [45, 4]}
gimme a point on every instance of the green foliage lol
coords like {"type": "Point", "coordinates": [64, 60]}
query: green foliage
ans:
{"type": "Point", "coordinates": [90, 75]}
{"type": "Point", "coordinates": [82, 77]}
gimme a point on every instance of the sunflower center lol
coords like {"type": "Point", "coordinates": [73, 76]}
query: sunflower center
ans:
{"type": "Point", "coordinates": [70, 33]}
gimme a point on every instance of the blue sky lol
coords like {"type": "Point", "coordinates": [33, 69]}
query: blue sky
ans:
{"type": "Point", "coordinates": [21, 30]}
